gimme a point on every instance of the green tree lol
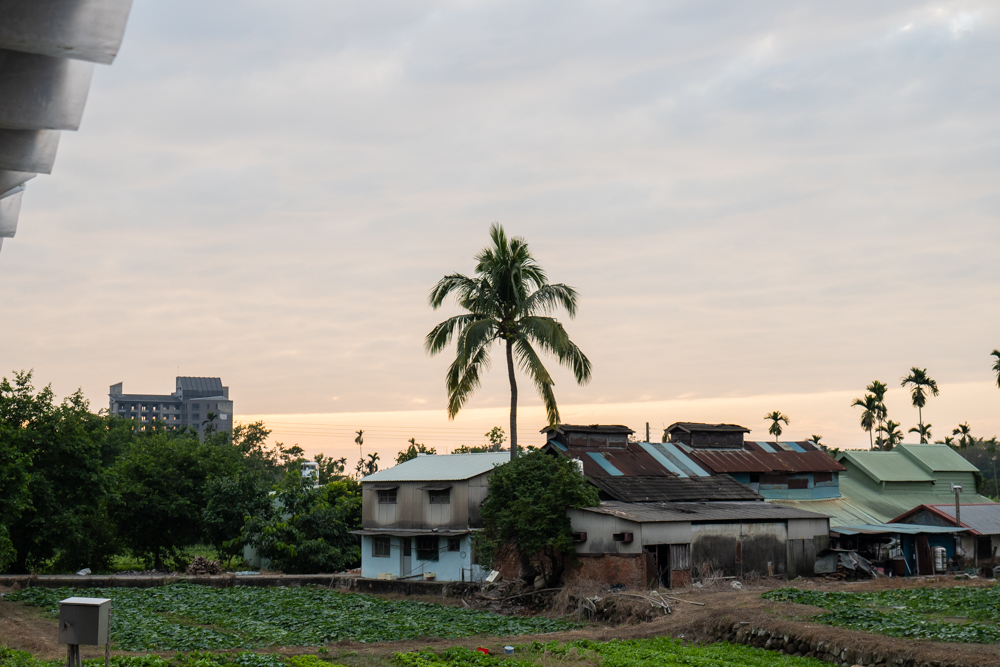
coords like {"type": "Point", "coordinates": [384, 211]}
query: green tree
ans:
{"type": "Point", "coordinates": [308, 530]}
{"type": "Point", "coordinates": [920, 385]}
{"type": "Point", "coordinates": [59, 519]}
{"type": "Point", "coordinates": [367, 466]}
{"type": "Point", "coordinates": [878, 390]}
{"type": "Point", "coordinates": [497, 437]}
{"type": "Point", "coordinates": [923, 431]}
{"type": "Point", "coordinates": [412, 451]}
{"type": "Point", "coordinates": [815, 439]}
{"type": "Point", "coordinates": [162, 488]}
{"type": "Point", "coordinates": [229, 500]}
{"type": "Point", "coordinates": [869, 418]}
{"type": "Point", "coordinates": [776, 418]}
{"type": "Point", "coordinates": [508, 301]}
{"type": "Point", "coordinates": [330, 469]}
{"type": "Point", "coordinates": [526, 508]}
{"type": "Point", "coordinates": [996, 364]}
{"type": "Point", "coordinates": [964, 433]}
{"type": "Point", "coordinates": [890, 435]}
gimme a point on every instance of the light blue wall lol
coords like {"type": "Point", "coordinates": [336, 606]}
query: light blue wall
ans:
{"type": "Point", "coordinates": [450, 565]}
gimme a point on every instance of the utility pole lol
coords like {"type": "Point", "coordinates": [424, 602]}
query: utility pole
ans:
{"type": "Point", "coordinates": [647, 431]}
{"type": "Point", "coordinates": [957, 488]}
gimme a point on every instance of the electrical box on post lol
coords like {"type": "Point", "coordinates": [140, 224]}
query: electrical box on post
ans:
{"type": "Point", "coordinates": [84, 621]}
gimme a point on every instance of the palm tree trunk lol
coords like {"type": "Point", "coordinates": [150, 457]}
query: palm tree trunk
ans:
{"type": "Point", "coordinates": [513, 399]}
{"type": "Point", "coordinates": [920, 417]}
{"type": "Point", "coordinates": [871, 446]}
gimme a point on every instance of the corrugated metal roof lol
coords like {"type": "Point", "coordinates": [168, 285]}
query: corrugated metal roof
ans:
{"type": "Point", "coordinates": [593, 428]}
{"type": "Point", "coordinates": [667, 451]}
{"type": "Point", "coordinates": [887, 466]}
{"type": "Point", "coordinates": [937, 458]}
{"type": "Point", "coordinates": [734, 460]}
{"type": "Point", "coordinates": [605, 464]}
{"type": "Point", "coordinates": [888, 505]}
{"type": "Point", "coordinates": [687, 427]}
{"type": "Point", "coordinates": [895, 528]}
{"type": "Point", "coordinates": [698, 512]}
{"type": "Point", "coordinates": [981, 517]}
{"type": "Point", "coordinates": [630, 459]}
{"type": "Point", "coordinates": [840, 510]}
{"type": "Point", "coordinates": [437, 467]}
{"type": "Point", "coordinates": [674, 489]}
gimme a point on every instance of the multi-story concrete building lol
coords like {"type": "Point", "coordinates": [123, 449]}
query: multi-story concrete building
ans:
{"type": "Point", "coordinates": [197, 403]}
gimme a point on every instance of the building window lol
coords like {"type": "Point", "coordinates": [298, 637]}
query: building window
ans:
{"type": "Point", "coordinates": [427, 548]}
{"type": "Point", "coordinates": [454, 544]}
{"type": "Point", "coordinates": [407, 550]}
{"type": "Point", "coordinates": [387, 497]}
{"type": "Point", "coordinates": [381, 547]}
{"type": "Point", "coordinates": [194, 406]}
{"type": "Point", "coordinates": [442, 497]}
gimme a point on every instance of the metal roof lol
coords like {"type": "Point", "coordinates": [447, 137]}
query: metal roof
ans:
{"type": "Point", "coordinates": [895, 528]}
{"type": "Point", "coordinates": [158, 398]}
{"type": "Point", "coordinates": [200, 384]}
{"type": "Point", "coordinates": [983, 518]}
{"type": "Point", "coordinates": [887, 466]}
{"type": "Point", "coordinates": [47, 55]}
{"type": "Point", "coordinates": [937, 458]}
{"type": "Point", "coordinates": [887, 505]}
{"type": "Point", "coordinates": [842, 512]}
{"type": "Point", "coordinates": [688, 427]}
{"type": "Point", "coordinates": [700, 512]}
{"type": "Point", "coordinates": [735, 460]}
{"type": "Point", "coordinates": [593, 428]}
{"type": "Point", "coordinates": [632, 459]}
{"type": "Point", "coordinates": [439, 467]}
{"type": "Point", "coordinates": [674, 489]}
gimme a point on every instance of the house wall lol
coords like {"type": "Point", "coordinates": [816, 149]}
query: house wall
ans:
{"type": "Point", "coordinates": [450, 566]}
{"type": "Point", "coordinates": [600, 528]}
{"type": "Point", "coordinates": [413, 510]}
{"type": "Point", "coordinates": [740, 548]}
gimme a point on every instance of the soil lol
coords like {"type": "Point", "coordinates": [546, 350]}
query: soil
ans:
{"type": "Point", "coordinates": [26, 628]}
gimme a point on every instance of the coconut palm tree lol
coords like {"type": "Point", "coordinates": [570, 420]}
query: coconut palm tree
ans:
{"type": "Point", "coordinates": [776, 418]}
{"type": "Point", "coordinates": [891, 437]}
{"type": "Point", "coordinates": [920, 385]}
{"type": "Point", "coordinates": [947, 440]}
{"type": "Point", "coordinates": [996, 364]}
{"type": "Point", "coordinates": [815, 439]}
{"type": "Point", "coordinates": [924, 431]}
{"type": "Point", "coordinates": [508, 301]}
{"type": "Point", "coordinates": [869, 416]}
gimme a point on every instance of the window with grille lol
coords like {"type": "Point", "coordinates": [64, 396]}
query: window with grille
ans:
{"type": "Point", "coordinates": [427, 548]}
{"type": "Point", "coordinates": [381, 547]}
{"type": "Point", "coordinates": [454, 544]}
{"type": "Point", "coordinates": [387, 497]}
{"type": "Point", "coordinates": [440, 497]}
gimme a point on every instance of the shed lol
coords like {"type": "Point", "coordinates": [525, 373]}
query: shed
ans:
{"type": "Point", "coordinates": [982, 540]}
{"type": "Point", "coordinates": [695, 434]}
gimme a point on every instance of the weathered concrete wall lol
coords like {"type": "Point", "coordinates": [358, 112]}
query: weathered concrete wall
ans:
{"type": "Point", "coordinates": [740, 548]}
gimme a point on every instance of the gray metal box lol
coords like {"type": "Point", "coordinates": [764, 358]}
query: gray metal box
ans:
{"type": "Point", "coordinates": [84, 621]}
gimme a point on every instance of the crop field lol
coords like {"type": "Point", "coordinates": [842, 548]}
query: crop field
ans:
{"type": "Point", "coordinates": [960, 614]}
{"type": "Point", "coordinates": [656, 652]}
{"type": "Point", "coordinates": [184, 617]}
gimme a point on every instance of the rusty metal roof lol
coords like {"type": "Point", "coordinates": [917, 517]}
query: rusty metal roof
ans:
{"type": "Point", "coordinates": [629, 461]}
{"type": "Point", "coordinates": [732, 460]}
{"type": "Point", "coordinates": [593, 428]}
{"type": "Point", "coordinates": [673, 489]}
{"type": "Point", "coordinates": [699, 512]}
{"type": "Point", "coordinates": [688, 427]}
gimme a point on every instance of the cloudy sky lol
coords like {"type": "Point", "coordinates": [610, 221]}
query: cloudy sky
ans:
{"type": "Point", "coordinates": [763, 206]}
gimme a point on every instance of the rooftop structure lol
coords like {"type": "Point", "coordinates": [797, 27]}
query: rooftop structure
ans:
{"type": "Point", "coordinates": [694, 434]}
{"type": "Point", "coordinates": [47, 55]}
{"type": "Point", "coordinates": [198, 403]}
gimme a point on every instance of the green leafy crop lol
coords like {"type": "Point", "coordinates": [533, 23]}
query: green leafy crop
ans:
{"type": "Point", "coordinates": [187, 617]}
{"type": "Point", "coordinates": [960, 614]}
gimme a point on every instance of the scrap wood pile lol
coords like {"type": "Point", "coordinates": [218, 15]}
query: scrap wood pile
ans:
{"type": "Point", "coordinates": [201, 567]}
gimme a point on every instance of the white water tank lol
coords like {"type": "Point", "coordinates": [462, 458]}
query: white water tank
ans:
{"type": "Point", "coordinates": [940, 559]}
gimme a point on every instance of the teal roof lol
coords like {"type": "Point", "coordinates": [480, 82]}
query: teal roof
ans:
{"type": "Point", "coordinates": [887, 466]}
{"type": "Point", "coordinates": [841, 511]}
{"type": "Point", "coordinates": [897, 528]}
{"type": "Point", "coordinates": [937, 458]}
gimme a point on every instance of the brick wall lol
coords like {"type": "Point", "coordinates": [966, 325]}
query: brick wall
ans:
{"type": "Point", "coordinates": [628, 569]}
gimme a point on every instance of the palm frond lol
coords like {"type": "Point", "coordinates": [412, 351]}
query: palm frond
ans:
{"type": "Point", "coordinates": [549, 335]}
{"type": "Point", "coordinates": [531, 364]}
{"type": "Point", "coordinates": [441, 335]}
{"type": "Point", "coordinates": [463, 379]}
{"type": "Point", "coordinates": [996, 364]}
{"type": "Point", "coordinates": [548, 298]}
{"type": "Point", "coordinates": [464, 285]}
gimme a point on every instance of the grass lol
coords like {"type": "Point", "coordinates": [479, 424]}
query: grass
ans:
{"type": "Point", "coordinates": [186, 617]}
{"type": "Point", "coordinates": [958, 615]}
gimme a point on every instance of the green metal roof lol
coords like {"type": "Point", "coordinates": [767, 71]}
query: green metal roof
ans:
{"type": "Point", "coordinates": [887, 466]}
{"type": "Point", "coordinates": [887, 505]}
{"type": "Point", "coordinates": [440, 467]}
{"type": "Point", "coordinates": [840, 510]}
{"type": "Point", "coordinates": [937, 458]}
{"type": "Point", "coordinates": [897, 528]}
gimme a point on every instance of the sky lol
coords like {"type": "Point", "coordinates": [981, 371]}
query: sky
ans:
{"type": "Point", "coordinates": [763, 205]}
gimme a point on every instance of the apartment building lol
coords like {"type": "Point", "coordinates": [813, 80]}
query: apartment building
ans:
{"type": "Point", "coordinates": [197, 403]}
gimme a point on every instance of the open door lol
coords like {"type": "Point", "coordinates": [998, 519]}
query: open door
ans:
{"type": "Point", "coordinates": [925, 562]}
